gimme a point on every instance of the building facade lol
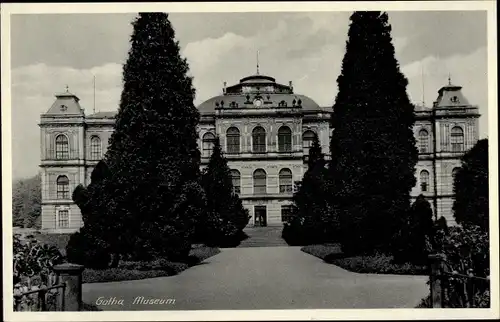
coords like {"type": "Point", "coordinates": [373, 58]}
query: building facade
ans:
{"type": "Point", "coordinates": [265, 131]}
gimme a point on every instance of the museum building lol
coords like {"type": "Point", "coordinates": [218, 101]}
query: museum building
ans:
{"type": "Point", "coordinates": [265, 131]}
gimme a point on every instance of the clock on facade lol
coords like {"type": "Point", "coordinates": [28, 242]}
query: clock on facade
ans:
{"type": "Point", "coordinates": [257, 102]}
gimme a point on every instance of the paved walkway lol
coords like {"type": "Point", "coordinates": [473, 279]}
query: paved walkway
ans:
{"type": "Point", "coordinates": [264, 278]}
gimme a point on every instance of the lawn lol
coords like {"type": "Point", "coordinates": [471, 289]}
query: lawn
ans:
{"type": "Point", "coordinates": [371, 264]}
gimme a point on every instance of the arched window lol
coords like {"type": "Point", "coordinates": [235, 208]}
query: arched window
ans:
{"type": "Point", "coordinates": [62, 187]}
{"type": "Point", "coordinates": [259, 182]}
{"type": "Point", "coordinates": [95, 148]}
{"type": "Point", "coordinates": [208, 144]}
{"type": "Point", "coordinates": [62, 147]}
{"type": "Point", "coordinates": [259, 140]}
{"type": "Point", "coordinates": [236, 180]}
{"type": "Point", "coordinates": [424, 180]}
{"type": "Point", "coordinates": [423, 141]}
{"type": "Point", "coordinates": [284, 139]}
{"type": "Point", "coordinates": [307, 140]}
{"type": "Point", "coordinates": [285, 179]}
{"type": "Point", "coordinates": [233, 140]}
{"type": "Point", "coordinates": [457, 139]}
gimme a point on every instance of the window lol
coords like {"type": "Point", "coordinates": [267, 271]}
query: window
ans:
{"type": "Point", "coordinates": [423, 141]}
{"type": "Point", "coordinates": [63, 218]}
{"type": "Point", "coordinates": [208, 144]}
{"type": "Point", "coordinates": [259, 182]}
{"type": "Point", "coordinates": [233, 140]}
{"type": "Point", "coordinates": [62, 147]}
{"type": "Point", "coordinates": [286, 213]}
{"type": "Point", "coordinates": [285, 179]}
{"type": "Point", "coordinates": [457, 139]}
{"type": "Point", "coordinates": [236, 180]}
{"type": "Point", "coordinates": [307, 140]}
{"type": "Point", "coordinates": [62, 187]}
{"type": "Point", "coordinates": [284, 139]}
{"type": "Point", "coordinates": [454, 173]}
{"type": "Point", "coordinates": [424, 180]}
{"type": "Point", "coordinates": [259, 140]}
{"type": "Point", "coordinates": [95, 148]}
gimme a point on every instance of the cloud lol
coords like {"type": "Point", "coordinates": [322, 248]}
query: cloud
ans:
{"type": "Point", "coordinates": [466, 70]}
{"type": "Point", "coordinates": [306, 48]}
{"type": "Point", "coordinates": [33, 90]}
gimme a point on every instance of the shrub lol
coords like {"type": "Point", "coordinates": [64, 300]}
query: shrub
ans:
{"type": "Point", "coordinates": [466, 249]}
{"type": "Point", "coordinates": [323, 251]}
{"type": "Point", "coordinates": [84, 250]}
{"type": "Point", "coordinates": [379, 264]}
{"type": "Point", "coordinates": [410, 241]}
{"type": "Point", "coordinates": [32, 260]}
{"type": "Point", "coordinates": [202, 253]}
{"type": "Point", "coordinates": [376, 264]}
{"type": "Point", "coordinates": [134, 270]}
{"type": "Point", "coordinates": [120, 274]}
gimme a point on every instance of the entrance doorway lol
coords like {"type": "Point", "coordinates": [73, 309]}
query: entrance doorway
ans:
{"type": "Point", "coordinates": [260, 213]}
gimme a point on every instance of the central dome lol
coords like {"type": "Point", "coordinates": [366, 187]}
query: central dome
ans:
{"type": "Point", "coordinates": [264, 87]}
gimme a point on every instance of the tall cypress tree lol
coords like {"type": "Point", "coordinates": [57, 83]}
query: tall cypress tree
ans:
{"type": "Point", "coordinates": [153, 152]}
{"type": "Point", "coordinates": [471, 206]}
{"type": "Point", "coordinates": [311, 220]}
{"type": "Point", "coordinates": [225, 216]}
{"type": "Point", "coordinates": [373, 147]}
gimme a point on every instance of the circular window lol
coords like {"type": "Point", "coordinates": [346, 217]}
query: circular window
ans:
{"type": "Point", "coordinates": [257, 102]}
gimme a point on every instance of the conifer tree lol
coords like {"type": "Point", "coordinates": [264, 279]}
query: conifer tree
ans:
{"type": "Point", "coordinates": [418, 229]}
{"type": "Point", "coordinates": [153, 154]}
{"type": "Point", "coordinates": [225, 216]}
{"type": "Point", "coordinates": [96, 242]}
{"type": "Point", "coordinates": [311, 223]}
{"type": "Point", "coordinates": [26, 202]}
{"type": "Point", "coordinates": [373, 147]}
{"type": "Point", "coordinates": [471, 205]}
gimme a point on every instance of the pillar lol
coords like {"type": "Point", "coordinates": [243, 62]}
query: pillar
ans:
{"type": "Point", "coordinates": [71, 275]}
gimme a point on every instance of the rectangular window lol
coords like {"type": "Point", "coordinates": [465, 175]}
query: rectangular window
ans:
{"type": "Point", "coordinates": [63, 219]}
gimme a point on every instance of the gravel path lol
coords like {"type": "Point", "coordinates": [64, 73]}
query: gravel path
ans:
{"type": "Point", "coordinates": [262, 278]}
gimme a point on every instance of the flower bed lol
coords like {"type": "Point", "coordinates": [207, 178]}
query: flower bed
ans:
{"type": "Point", "coordinates": [135, 270]}
{"type": "Point", "coordinates": [372, 264]}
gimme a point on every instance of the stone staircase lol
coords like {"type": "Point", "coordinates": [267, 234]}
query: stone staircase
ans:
{"type": "Point", "coordinates": [263, 237]}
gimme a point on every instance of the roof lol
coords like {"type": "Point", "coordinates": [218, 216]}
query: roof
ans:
{"type": "Point", "coordinates": [66, 104]}
{"type": "Point", "coordinates": [273, 94]}
{"type": "Point", "coordinates": [451, 96]}
{"type": "Point", "coordinates": [102, 115]}
{"type": "Point", "coordinates": [308, 104]}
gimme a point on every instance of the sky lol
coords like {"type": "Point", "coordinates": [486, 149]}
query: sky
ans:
{"type": "Point", "coordinates": [52, 51]}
